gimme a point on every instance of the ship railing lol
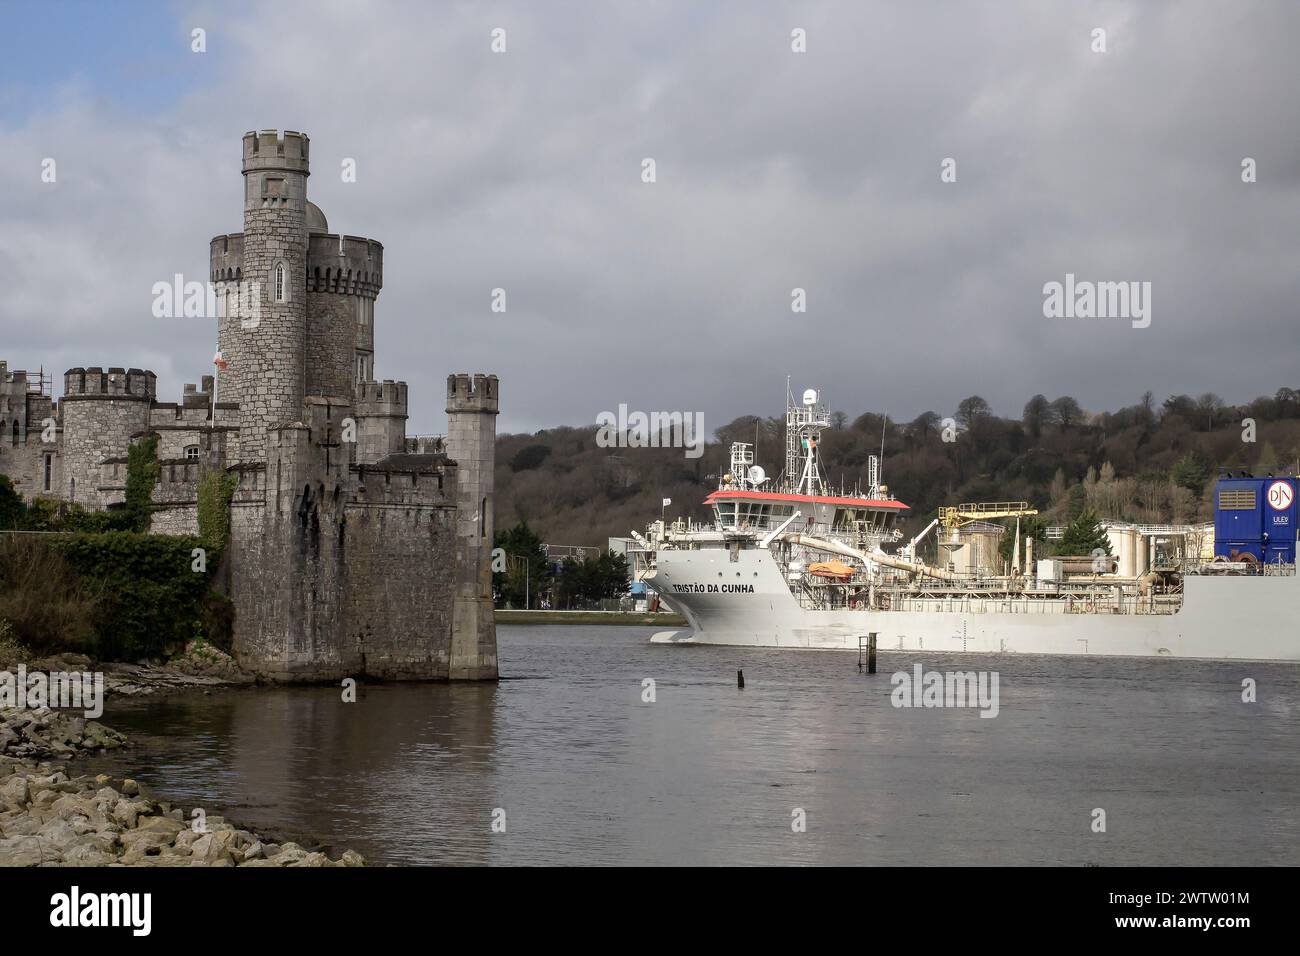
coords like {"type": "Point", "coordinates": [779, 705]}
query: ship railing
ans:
{"type": "Point", "coordinates": [1101, 601]}
{"type": "Point", "coordinates": [1242, 568]}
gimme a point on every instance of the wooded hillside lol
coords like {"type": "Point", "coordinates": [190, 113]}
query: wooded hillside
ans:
{"type": "Point", "coordinates": [1149, 462]}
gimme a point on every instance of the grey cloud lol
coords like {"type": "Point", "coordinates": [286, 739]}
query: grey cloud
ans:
{"type": "Point", "coordinates": [775, 170]}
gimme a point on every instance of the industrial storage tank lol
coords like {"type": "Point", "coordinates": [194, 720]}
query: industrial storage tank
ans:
{"type": "Point", "coordinates": [973, 549]}
{"type": "Point", "coordinates": [1131, 548]}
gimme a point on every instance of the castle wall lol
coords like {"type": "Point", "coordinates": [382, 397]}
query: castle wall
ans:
{"type": "Point", "coordinates": [331, 345]}
{"type": "Point", "coordinates": [342, 571]}
{"type": "Point", "coordinates": [24, 462]}
{"type": "Point", "coordinates": [175, 519]}
{"type": "Point", "coordinates": [23, 453]}
{"type": "Point", "coordinates": [399, 586]}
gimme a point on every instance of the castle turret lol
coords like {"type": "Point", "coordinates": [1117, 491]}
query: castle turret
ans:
{"type": "Point", "coordinates": [101, 410]}
{"type": "Point", "coordinates": [344, 276]}
{"type": "Point", "coordinates": [472, 405]}
{"type": "Point", "coordinates": [381, 420]}
{"type": "Point", "coordinates": [264, 344]}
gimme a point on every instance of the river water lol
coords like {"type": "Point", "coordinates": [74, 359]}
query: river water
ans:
{"type": "Point", "coordinates": [582, 770]}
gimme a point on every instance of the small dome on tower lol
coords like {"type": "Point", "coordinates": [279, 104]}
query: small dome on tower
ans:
{"type": "Point", "coordinates": [316, 221]}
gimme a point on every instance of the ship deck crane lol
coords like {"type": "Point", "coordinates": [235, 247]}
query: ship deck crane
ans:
{"type": "Point", "coordinates": [962, 515]}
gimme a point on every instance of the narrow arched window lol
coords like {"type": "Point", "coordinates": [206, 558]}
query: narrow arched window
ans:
{"type": "Point", "coordinates": [281, 283]}
{"type": "Point", "coordinates": [15, 431]}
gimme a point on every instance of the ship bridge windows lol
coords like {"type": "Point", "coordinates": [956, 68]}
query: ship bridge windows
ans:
{"type": "Point", "coordinates": [865, 519]}
{"type": "Point", "coordinates": [751, 515]}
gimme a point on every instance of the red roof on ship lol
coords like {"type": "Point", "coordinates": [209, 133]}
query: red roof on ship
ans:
{"type": "Point", "coordinates": [812, 499]}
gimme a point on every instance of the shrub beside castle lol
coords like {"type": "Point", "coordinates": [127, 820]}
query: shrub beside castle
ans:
{"type": "Point", "coordinates": [97, 583]}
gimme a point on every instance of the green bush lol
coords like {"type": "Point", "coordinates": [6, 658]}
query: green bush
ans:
{"type": "Point", "coordinates": [142, 473]}
{"type": "Point", "coordinates": [215, 491]}
{"type": "Point", "coordinates": [45, 514]}
{"type": "Point", "coordinates": [151, 599]}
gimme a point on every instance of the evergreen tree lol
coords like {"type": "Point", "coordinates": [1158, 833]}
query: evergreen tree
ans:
{"type": "Point", "coordinates": [527, 570]}
{"type": "Point", "coordinates": [1076, 501]}
{"type": "Point", "coordinates": [1191, 472]}
{"type": "Point", "coordinates": [1083, 536]}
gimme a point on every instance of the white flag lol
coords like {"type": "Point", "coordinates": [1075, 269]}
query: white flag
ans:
{"type": "Point", "coordinates": [667, 502]}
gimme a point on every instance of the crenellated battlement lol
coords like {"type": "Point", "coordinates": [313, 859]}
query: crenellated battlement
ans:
{"type": "Point", "coordinates": [477, 393]}
{"type": "Point", "coordinates": [381, 398]}
{"type": "Point", "coordinates": [226, 257]}
{"type": "Point", "coordinates": [272, 149]}
{"type": "Point", "coordinates": [423, 481]}
{"type": "Point", "coordinates": [349, 265]}
{"type": "Point", "coordinates": [94, 382]}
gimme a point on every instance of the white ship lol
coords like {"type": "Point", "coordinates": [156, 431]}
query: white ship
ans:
{"type": "Point", "coordinates": [792, 564]}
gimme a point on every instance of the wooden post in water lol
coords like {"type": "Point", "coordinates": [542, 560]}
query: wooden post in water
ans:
{"type": "Point", "coordinates": [740, 680]}
{"type": "Point", "coordinates": [871, 652]}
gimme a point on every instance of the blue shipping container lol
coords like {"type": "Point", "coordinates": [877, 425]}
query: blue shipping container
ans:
{"type": "Point", "coordinates": [1257, 517]}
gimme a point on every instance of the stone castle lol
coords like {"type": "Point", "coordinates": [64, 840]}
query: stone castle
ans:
{"type": "Point", "coordinates": [354, 549]}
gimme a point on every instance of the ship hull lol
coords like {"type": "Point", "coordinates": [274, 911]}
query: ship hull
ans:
{"type": "Point", "coordinates": [742, 599]}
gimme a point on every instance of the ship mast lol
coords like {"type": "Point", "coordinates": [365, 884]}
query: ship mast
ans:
{"type": "Point", "coordinates": [804, 422]}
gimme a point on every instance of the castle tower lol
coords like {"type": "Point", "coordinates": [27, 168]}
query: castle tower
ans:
{"type": "Point", "coordinates": [381, 420]}
{"type": "Point", "coordinates": [471, 442]}
{"type": "Point", "coordinates": [264, 344]}
{"type": "Point", "coordinates": [344, 276]}
{"type": "Point", "coordinates": [101, 410]}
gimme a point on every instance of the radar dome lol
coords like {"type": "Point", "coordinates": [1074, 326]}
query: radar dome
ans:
{"type": "Point", "coordinates": [810, 397]}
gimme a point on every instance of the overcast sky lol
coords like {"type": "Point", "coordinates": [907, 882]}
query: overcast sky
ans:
{"type": "Point", "coordinates": [775, 170]}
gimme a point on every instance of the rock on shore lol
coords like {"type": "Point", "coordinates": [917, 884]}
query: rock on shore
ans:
{"type": "Point", "coordinates": [199, 667]}
{"type": "Point", "coordinates": [50, 819]}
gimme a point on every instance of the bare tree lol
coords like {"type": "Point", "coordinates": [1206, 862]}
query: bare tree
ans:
{"type": "Point", "coordinates": [1067, 411]}
{"type": "Point", "coordinates": [1208, 405]}
{"type": "Point", "coordinates": [969, 410]}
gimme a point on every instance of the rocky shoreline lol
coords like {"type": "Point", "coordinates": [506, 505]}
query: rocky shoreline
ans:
{"type": "Point", "coordinates": [48, 818]}
{"type": "Point", "coordinates": [200, 667]}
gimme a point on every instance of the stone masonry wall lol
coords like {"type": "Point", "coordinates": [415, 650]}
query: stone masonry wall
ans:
{"type": "Point", "coordinates": [327, 586]}
{"type": "Point", "coordinates": [95, 428]}
{"type": "Point", "coordinates": [331, 345]}
{"type": "Point", "coordinates": [471, 441]}
{"type": "Point", "coordinates": [175, 519]}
